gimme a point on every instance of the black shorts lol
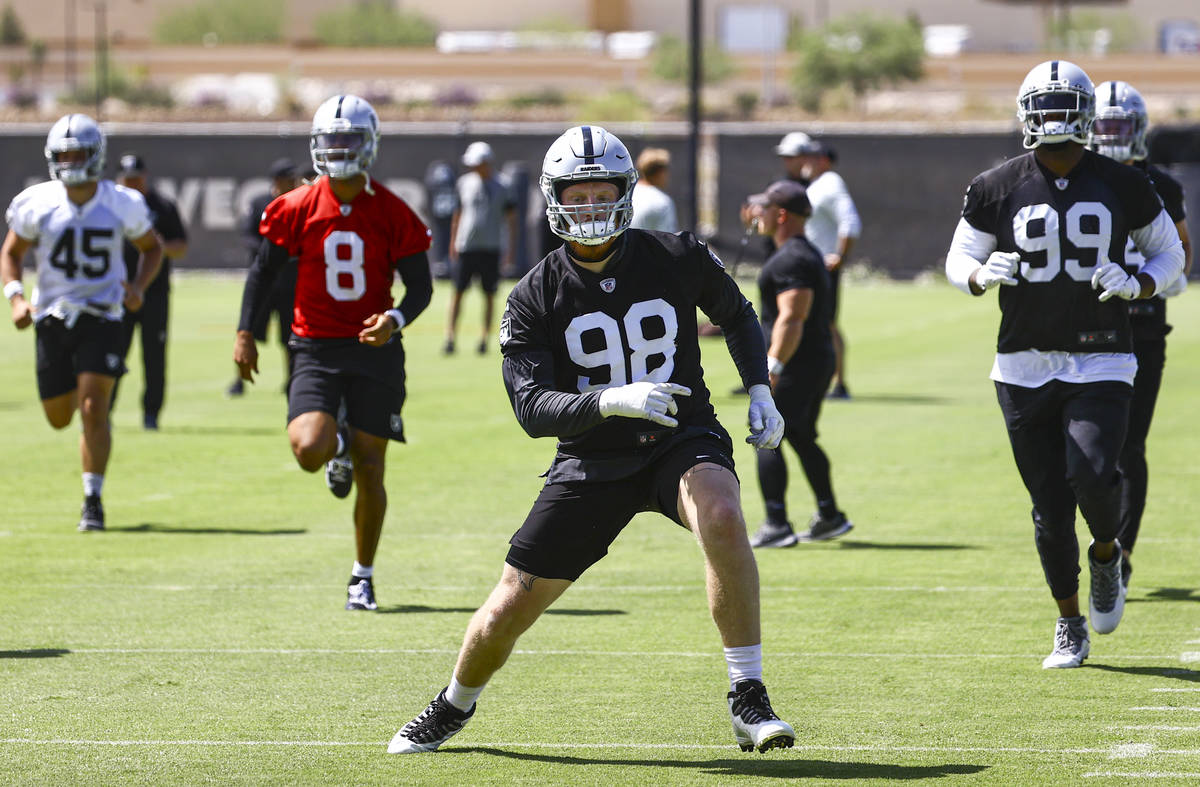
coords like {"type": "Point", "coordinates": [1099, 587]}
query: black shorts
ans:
{"type": "Point", "coordinates": [93, 344]}
{"type": "Point", "coordinates": [370, 380]}
{"type": "Point", "coordinates": [572, 523]}
{"type": "Point", "coordinates": [484, 263]}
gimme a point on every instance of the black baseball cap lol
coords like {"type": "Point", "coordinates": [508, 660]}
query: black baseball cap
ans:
{"type": "Point", "coordinates": [787, 194]}
{"type": "Point", "coordinates": [283, 168]}
{"type": "Point", "coordinates": [131, 164]}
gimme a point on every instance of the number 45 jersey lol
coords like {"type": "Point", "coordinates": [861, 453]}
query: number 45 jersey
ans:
{"type": "Point", "coordinates": [79, 248]}
{"type": "Point", "coordinates": [634, 321]}
{"type": "Point", "coordinates": [1063, 228]}
{"type": "Point", "coordinates": [346, 252]}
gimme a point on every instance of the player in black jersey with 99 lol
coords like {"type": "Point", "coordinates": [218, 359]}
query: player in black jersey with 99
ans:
{"type": "Point", "coordinates": [1051, 228]}
{"type": "Point", "coordinates": [1120, 133]}
{"type": "Point", "coordinates": [600, 350]}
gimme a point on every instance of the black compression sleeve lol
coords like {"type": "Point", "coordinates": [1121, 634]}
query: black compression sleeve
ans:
{"type": "Point", "coordinates": [418, 285]}
{"type": "Point", "coordinates": [262, 274]}
{"type": "Point", "coordinates": [747, 347]}
{"type": "Point", "coordinates": [541, 410]}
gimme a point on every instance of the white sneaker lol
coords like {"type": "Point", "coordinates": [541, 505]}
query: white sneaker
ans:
{"type": "Point", "coordinates": [755, 725]}
{"type": "Point", "coordinates": [1071, 644]}
{"type": "Point", "coordinates": [1106, 601]}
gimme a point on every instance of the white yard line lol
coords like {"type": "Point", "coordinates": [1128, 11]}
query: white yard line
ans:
{"type": "Point", "coordinates": [1166, 708]}
{"type": "Point", "coordinates": [1173, 690]}
{"type": "Point", "coordinates": [592, 746]}
{"type": "Point", "coordinates": [1159, 728]}
{"type": "Point", "coordinates": [1140, 775]}
{"type": "Point", "coordinates": [1190, 656]}
{"type": "Point", "coordinates": [554, 652]}
{"type": "Point", "coordinates": [434, 589]}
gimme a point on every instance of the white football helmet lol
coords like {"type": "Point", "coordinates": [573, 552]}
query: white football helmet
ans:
{"type": "Point", "coordinates": [587, 153]}
{"type": "Point", "coordinates": [1056, 103]}
{"type": "Point", "coordinates": [75, 132]}
{"type": "Point", "coordinates": [1119, 130]}
{"type": "Point", "coordinates": [345, 137]}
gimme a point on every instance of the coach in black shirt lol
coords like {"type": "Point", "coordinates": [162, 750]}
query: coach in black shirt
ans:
{"type": "Point", "coordinates": [153, 314]}
{"type": "Point", "coordinates": [796, 302]}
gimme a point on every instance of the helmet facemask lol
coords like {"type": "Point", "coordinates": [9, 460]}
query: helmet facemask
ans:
{"type": "Point", "coordinates": [1055, 113]}
{"type": "Point", "coordinates": [589, 224]}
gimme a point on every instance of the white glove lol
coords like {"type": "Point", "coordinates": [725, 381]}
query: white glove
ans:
{"type": "Point", "coordinates": [766, 424]}
{"type": "Point", "coordinates": [998, 269]}
{"type": "Point", "coordinates": [652, 401]}
{"type": "Point", "coordinates": [1177, 287]}
{"type": "Point", "coordinates": [1113, 279]}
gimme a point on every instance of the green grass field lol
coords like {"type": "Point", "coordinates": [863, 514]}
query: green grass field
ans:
{"type": "Point", "coordinates": [202, 638]}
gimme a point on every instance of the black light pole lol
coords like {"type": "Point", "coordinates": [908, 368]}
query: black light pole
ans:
{"type": "Point", "coordinates": [101, 55]}
{"type": "Point", "coordinates": [69, 43]}
{"type": "Point", "coordinates": [693, 148]}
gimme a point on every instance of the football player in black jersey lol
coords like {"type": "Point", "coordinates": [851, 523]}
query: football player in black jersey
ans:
{"type": "Point", "coordinates": [1050, 228]}
{"type": "Point", "coordinates": [600, 351]}
{"type": "Point", "coordinates": [1119, 132]}
{"type": "Point", "coordinates": [796, 301]}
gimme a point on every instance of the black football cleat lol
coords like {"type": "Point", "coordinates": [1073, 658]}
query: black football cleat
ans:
{"type": "Point", "coordinates": [91, 517]}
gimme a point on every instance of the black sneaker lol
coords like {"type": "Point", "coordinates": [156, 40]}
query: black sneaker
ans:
{"type": "Point", "coordinates": [150, 422]}
{"type": "Point", "coordinates": [839, 391]}
{"type": "Point", "coordinates": [91, 517]}
{"type": "Point", "coordinates": [774, 534]}
{"type": "Point", "coordinates": [755, 725]}
{"type": "Point", "coordinates": [448, 347]}
{"type": "Point", "coordinates": [236, 388]}
{"type": "Point", "coordinates": [824, 528]}
{"type": "Point", "coordinates": [360, 594]}
{"type": "Point", "coordinates": [483, 347]}
{"type": "Point", "coordinates": [339, 471]}
{"type": "Point", "coordinates": [437, 724]}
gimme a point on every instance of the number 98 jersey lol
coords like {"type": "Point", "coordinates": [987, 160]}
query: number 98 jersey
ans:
{"type": "Point", "coordinates": [79, 248]}
{"type": "Point", "coordinates": [633, 321]}
{"type": "Point", "coordinates": [1063, 228]}
{"type": "Point", "coordinates": [347, 253]}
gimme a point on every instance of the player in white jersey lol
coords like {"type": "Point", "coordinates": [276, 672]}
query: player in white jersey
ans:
{"type": "Point", "coordinates": [75, 224]}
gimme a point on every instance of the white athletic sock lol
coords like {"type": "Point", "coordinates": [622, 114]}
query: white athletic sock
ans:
{"type": "Point", "coordinates": [92, 483]}
{"type": "Point", "coordinates": [462, 697]}
{"type": "Point", "coordinates": [744, 663]}
{"type": "Point", "coordinates": [361, 571]}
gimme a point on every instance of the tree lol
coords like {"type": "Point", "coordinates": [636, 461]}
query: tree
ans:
{"type": "Point", "coordinates": [862, 51]}
{"type": "Point", "coordinates": [12, 32]}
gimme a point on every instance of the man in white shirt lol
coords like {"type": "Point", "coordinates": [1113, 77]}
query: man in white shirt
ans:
{"type": "Point", "coordinates": [832, 228]}
{"type": "Point", "coordinates": [653, 208]}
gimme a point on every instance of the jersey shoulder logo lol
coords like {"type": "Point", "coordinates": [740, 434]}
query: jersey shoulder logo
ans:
{"type": "Point", "coordinates": [505, 328]}
{"type": "Point", "coordinates": [714, 256]}
{"type": "Point", "coordinates": [608, 285]}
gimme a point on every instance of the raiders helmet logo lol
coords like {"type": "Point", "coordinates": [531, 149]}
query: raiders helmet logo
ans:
{"type": "Point", "coordinates": [608, 285]}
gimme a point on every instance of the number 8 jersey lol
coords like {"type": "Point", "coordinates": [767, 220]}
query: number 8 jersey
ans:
{"type": "Point", "coordinates": [1063, 228]}
{"type": "Point", "coordinates": [79, 248]}
{"type": "Point", "coordinates": [347, 253]}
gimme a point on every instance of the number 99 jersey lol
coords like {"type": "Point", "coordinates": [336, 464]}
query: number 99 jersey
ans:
{"type": "Point", "coordinates": [1063, 228]}
{"type": "Point", "coordinates": [347, 253]}
{"type": "Point", "coordinates": [79, 248]}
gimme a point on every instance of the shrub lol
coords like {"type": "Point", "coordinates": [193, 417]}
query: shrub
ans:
{"type": "Point", "coordinates": [671, 61]}
{"type": "Point", "coordinates": [223, 21]}
{"type": "Point", "coordinates": [374, 23]}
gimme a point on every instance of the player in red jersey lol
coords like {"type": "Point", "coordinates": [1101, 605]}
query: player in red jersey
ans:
{"type": "Point", "coordinates": [348, 236]}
